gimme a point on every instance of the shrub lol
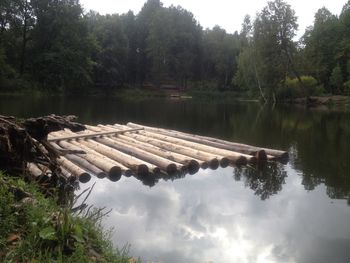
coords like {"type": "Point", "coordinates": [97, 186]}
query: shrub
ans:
{"type": "Point", "coordinates": [347, 88]}
{"type": "Point", "coordinates": [292, 89]}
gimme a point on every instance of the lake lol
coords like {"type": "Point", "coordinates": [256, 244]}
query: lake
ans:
{"type": "Point", "coordinates": [297, 212]}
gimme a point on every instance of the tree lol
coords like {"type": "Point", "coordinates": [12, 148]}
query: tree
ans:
{"type": "Point", "coordinates": [274, 30]}
{"type": "Point", "coordinates": [173, 45]}
{"type": "Point", "coordinates": [321, 42]}
{"type": "Point", "coordinates": [61, 46]}
{"type": "Point", "coordinates": [110, 60]}
{"type": "Point", "coordinates": [247, 76]}
{"type": "Point", "coordinates": [336, 80]}
{"type": "Point", "coordinates": [220, 52]}
{"type": "Point", "coordinates": [143, 22]}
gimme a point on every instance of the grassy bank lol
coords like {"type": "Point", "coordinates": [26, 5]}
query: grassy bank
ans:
{"type": "Point", "coordinates": [34, 228]}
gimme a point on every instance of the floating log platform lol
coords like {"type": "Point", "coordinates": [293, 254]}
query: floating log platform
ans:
{"type": "Point", "coordinates": [115, 150]}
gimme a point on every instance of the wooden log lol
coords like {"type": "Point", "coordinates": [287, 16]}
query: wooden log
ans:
{"type": "Point", "coordinates": [74, 169]}
{"type": "Point", "coordinates": [164, 164]}
{"type": "Point", "coordinates": [244, 148]}
{"type": "Point", "coordinates": [87, 135]}
{"type": "Point", "coordinates": [113, 170]}
{"type": "Point", "coordinates": [259, 154]}
{"type": "Point", "coordinates": [234, 157]}
{"type": "Point", "coordinates": [212, 159]}
{"type": "Point", "coordinates": [86, 165]}
{"type": "Point", "coordinates": [83, 163]}
{"type": "Point", "coordinates": [100, 158]}
{"type": "Point", "coordinates": [123, 160]}
{"type": "Point", "coordinates": [192, 165]}
{"type": "Point", "coordinates": [138, 166]}
{"type": "Point", "coordinates": [45, 169]}
{"type": "Point", "coordinates": [66, 173]}
{"type": "Point", "coordinates": [34, 170]}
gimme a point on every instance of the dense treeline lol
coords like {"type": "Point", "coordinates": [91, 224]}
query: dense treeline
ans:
{"type": "Point", "coordinates": [54, 45]}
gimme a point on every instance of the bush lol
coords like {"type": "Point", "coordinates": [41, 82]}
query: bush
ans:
{"type": "Point", "coordinates": [292, 89]}
{"type": "Point", "coordinates": [347, 88]}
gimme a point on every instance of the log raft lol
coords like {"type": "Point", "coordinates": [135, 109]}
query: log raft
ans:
{"type": "Point", "coordinates": [134, 149]}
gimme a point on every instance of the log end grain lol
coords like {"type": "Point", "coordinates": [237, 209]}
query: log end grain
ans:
{"type": "Point", "coordinates": [241, 161]}
{"type": "Point", "coordinates": [214, 164]}
{"type": "Point", "coordinates": [142, 170]}
{"type": "Point", "coordinates": [192, 167]}
{"type": "Point", "coordinates": [171, 169]}
{"type": "Point", "coordinates": [114, 174]}
{"type": "Point", "coordinates": [224, 162]}
{"type": "Point", "coordinates": [84, 178]}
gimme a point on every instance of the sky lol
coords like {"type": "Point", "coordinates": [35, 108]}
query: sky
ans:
{"type": "Point", "coordinates": [228, 14]}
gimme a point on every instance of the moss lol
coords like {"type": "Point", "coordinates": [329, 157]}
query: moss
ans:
{"type": "Point", "coordinates": [34, 228]}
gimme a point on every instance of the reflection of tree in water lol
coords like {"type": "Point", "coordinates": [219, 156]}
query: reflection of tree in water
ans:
{"type": "Point", "coordinates": [265, 179]}
{"type": "Point", "coordinates": [152, 179]}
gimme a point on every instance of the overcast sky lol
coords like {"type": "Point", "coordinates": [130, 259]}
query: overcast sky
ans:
{"type": "Point", "coordinates": [228, 14]}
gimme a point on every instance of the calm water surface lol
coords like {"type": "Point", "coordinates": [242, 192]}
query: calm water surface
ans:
{"type": "Point", "coordinates": [298, 212]}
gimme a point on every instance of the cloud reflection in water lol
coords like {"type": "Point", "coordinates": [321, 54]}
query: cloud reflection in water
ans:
{"type": "Point", "coordinates": [211, 217]}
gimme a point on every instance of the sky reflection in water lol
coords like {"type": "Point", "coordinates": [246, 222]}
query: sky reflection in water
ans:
{"type": "Point", "coordinates": [293, 213]}
{"type": "Point", "coordinates": [211, 217]}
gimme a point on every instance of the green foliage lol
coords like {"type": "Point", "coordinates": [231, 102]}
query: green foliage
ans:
{"type": "Point", "coordinates": [53, 46]}
{"type": "Point", "coordinates": [109, 69]}
{"type": "Point", "coordinates": [292, 88]}
{"type": "Point", "coordinates": [35, 229]}
{"type": "Point", "coordinates": [268, 57]}
{"type": "Point", "coordinates": [336, 80]}
{"type": "Point", "coordinates": [347, 88]}
{"type": "Point", "coordinates": [61, 46]}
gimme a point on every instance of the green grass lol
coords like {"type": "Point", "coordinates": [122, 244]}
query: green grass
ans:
{"type": "Point", "coordinates": [34, 228]}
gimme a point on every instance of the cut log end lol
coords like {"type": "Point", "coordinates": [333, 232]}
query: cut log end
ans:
{"type": "Point", "coordinates": [114, 174]}
{"type": "Point", "coordinates": [142, 170]}
{"type": "Point", "coordinates": [204, 165]}
{"type": "Point", "coordinates": [224, 162]}
{"type": "Point", "coordinates": [241, 161]}
{"type": "Point", "coordinates": [192, 167]}
{"type": "Point", "coordinates": [84, 178]}
{"type": "Point", "coordinates": [171, 169]}
{"type": "Point", "coordinates": [214, 164]}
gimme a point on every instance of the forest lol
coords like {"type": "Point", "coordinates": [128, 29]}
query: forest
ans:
{"type": "Point", "coordinates": [58, 47]}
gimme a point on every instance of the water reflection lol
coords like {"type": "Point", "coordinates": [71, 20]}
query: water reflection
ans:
{"type": "Point", "coordinates": [265, 179]}
{"type": "Point", "coordinates": [279, 213]}
{"type": "Point", "coordinates": [210, 216]}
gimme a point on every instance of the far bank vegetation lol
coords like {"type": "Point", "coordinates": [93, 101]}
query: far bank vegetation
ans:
{"type": "Point", "coordinates": [58, 47]}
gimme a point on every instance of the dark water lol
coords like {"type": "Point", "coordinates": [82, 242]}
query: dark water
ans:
{"type": "Point", "coordinates": [299, 212]}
